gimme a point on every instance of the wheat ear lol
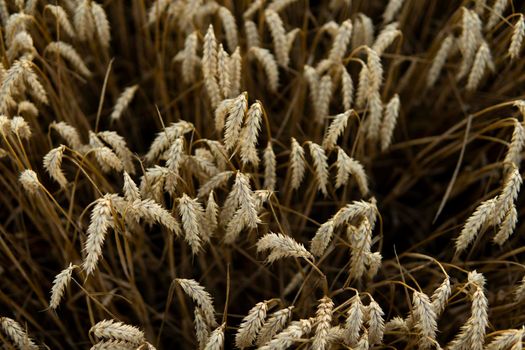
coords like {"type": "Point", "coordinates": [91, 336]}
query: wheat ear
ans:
{"type": "Point", "coordinates": [229, 26]}
{"type": "Point", "coordinates": [375, 321]}
{"type": "Point", "coordinates": [234, 121]}
{"type": "Point", "coordinates": [322, 238]}
{"type": "Point", "coordinates": [101, 24]}
{"type": "Point", "coordinates": [62, 18]}
{"type": "Point", "coordinates": [251, 325]}
{"type": "Point", "coordinates": [496, 13]}
{"type": "Point", "coordinates": [29, 181]}
{"type": "Point", "coordinates": [201, 297]}
{"type": "Point", "coordinates": [249, 134]}
{"type": "Point", "coordinates": [510, 339]}
{"type": "Point", "coordinates": [354, 321]}
{"type": "Point", "coordinates": [440, 296]}
{"type": "Point", "coordinates": [209, 67]}
{"type": "Point", "coordinates": [347, 166]}
{"type": "Point", "coordinates": [386, 37]}
{"type": "Point", "coordinates": [274, 324]}
{"type": "Point", "coordinates": [516, 145]}
{"type": "Point", "coordinates": [17, 334]}
{"type": "Point", "coordinates": [202, 330]}
{"type": "Point", "coordinates": [320, 166]}
{"type": "Point", "coordinates": [389, 122]}
{"type": "Point", "coordinates": [517, 38]}
{"type": "Point", "coordinates": [336, 129]}
{"type": "Point", "coordinates": [297, 164]}
{"type": "Point", "coordinates": [216, 339]}
{"type": "Point", "coordinates": [347, 88]}
{"type": "Point", "coordinates": [323, 320]}
{"type": "Point", "coordinates": [123, 101]}
{"type": "Point", "coordinates": [276, 26]}
{"type": "Point", "coordinates": [482, 61]}
{"type": "Point", "coordinates": [341, 40]}
{"type": "Point", "coordinates": [270, 168]}
{"type": "Point", "coordinates": [391, 10]}
{"type": "Point", "coordinates": [425, 319]}
{"type": "Point", "coordinates": [269, 64]}
{"type": "Point", "coordinates": [192, 215]}
{"type": "Point", "coordinates": [281, 246]}
{"type": "Point", "coordinates": [439, 60]}
{"type": "Point", "coordinates": [67, 52]}
{"type": "Point", "coordinates": [111, 329]}
{"type": "Point", "coordinates": [68, 133]}
{"type": "Point", "coordinates": [481, 216]}
{"type": "Point", "coordinates": [294, 332]}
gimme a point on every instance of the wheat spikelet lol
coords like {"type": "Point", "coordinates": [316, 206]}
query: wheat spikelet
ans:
{"type": "Point", "coordinates": [29, 181]}
{"type": "Point", "coordinates": [252, 34]}
{"type": "Point", "coordinates": [69, 54]}
{"type": "Point", "coordinates": [166, 137]}
{"type": "Point", "coordinates": [482, 61]}
{"type": "Point", "coordinates": [294, 332]}
{"type": "Point", "coordinates": [111, 329]}
{"type": "Point", "coordinates": [496, 13]}
{"type": "Point", "coordinates": [354, 321]}
{"type": "Point", "coordinates": [507, 226]}
{"type": "Point", "coordinates": [216, 181]}
{"type": "Point", "coordinates": [251, 325]}
{"type": "Point", "coordinates": [235, 67]}
{"type": "Point", "coordinates": [267, 60]}
{"type": "Point", "coordinates": [27, 108]}
{"type": "Point", "coordinates": [60, 284]}
{"type": "Point", "coordinates": [341, 40]}
{"type": "Point", "coordinates": [516, 145]}
{"type": "Point", "coordinates": [21, 44]}
{"type": "Point", "coordinates": [230, 27]}
{"type": "Point", "coordinates": [223, 71]}
{"type": "Point", "coordinates": [278, 33]}
{"type": "Point", "coordinates": [192, 215]}
{"type": "Point", "coordinates": [83, 20]}
{"type": "Point", "coordinates": [61, 18]}
{"type": "Point", "coordinates": [347, 166]}
{"type": "Point", "coordinates": [52, 164]}
{"type": "Point", "coordinates": [248, 139]}
{"type": "Point", "coordinates": [201, 297]}
{"type": "Point", "coordinates": [202, 330]}
{"type": "Point", "coordinates": [297, 164]}
{"type": "Point", "coordinates": [356, 209]}
{"type": "Point", "coordinates": [281, 246]}
{"type": "Point", "coordinates": [440, 296]}
{"type": "Point", "coordinates": [483, 213]}
{"type": "Point", "coordinates": [391, 10]}
{"type": "Point", "coordinates": [118, 144]}
{"type": "Point", "coordinates": [101, 24]}
{"type": "Point", "coordinates": [324, 94]}
{"type": "Point", "coordinates": [385, 38]}
{"type": "Point", "coordinates": [389, 122]}
{"type": "Point", "coordinates": [270, 165]}
{"type": "Point", "coordinates": [376, 324]}
{"type": "Point", "coordinates": [101, 222]}
{"type": "Point", "coordinates": [347, 89]}
{"type": "Point", "coordinates": [362, 87]}
{"type": "Point", "coordinates": [425, 318]}
{"type": "Point", "coordinates": [517, 38]}
{"type": "Point", "coordinates": [363, 33]}
{"type": "Point", "coordinates": [336, 129]}
{"type": "Point", "coordinates": [322, 238]}
{"type": "Point", "coordinates": [234, 121]}
{"type": "Point", "coordinates": [510, 339]}
{"type": "Point", "coordinates": [17, 334]}
{"type": "Point", "coordinates": [113, 345]}
{"type": "Point", "coordinates": [469, 40]}
{"type": "Point", "coordinates": [439, 60]}
{"type": "Point", "coordinates": [123, 101]}
{"type": "Point", "coordinates": [472, 334]}
{"type": "Point", "coordinates": [212, 210]}
{"type": "Point", "coordinates": [20, 128]}
{"type": "Point", "coordinates": [320, 166]}
{"type": "Point", "coordinates": [360, 242]}
{"type": "Point", "coordinates": [274, 324]}
{"type": "Point", "coordinates": [68, 133]}
{"type": "Point", "coordinates": [323, 319]}
{"type": "Point", "coordinates": [209, 66]}
{"type": "Point", "coordinates": [216, 339]}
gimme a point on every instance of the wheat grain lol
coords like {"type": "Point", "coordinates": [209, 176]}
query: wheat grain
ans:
{"type": "Point", "coordinates": [202, 330]}
{"type": "Point", "coordinates": [234, 121]}
{"type": "Point", "coordinates": [17, 334]}
{"type": "Point", "coordinates": [101, 24]}
{"type": "Point", "coordinates": [123, 102]}
{"type": "Point", "coordinates": [496, 13]}
{"type": "Point", "coordinates": [267, 60]}
{"type": "Point", "coordinates": [69, 54]}
{"type": "Point", "coordinates": [354, 321]}
{"type": "Point", "coordinates": [335, 130]}
{"type": "Point", "coordinates": [249, 134]}
{"type": "Point", "coordinates": [101, 222]}
{"type": "Point", "coordinates": [439, 60]}
{"type": "Point", "coordinates": [111, 329]}
{"type": "Point", "coordinates": [391, 10]}
{"type": "Point", "coordinates": [61, 18]}
{"type": "Point", "coordinates": [29, 181]}
{"type": "Point", "coordinates": [425, 319]}
{"type": "Point", "coordinates": [216, 339]}
{"type": "Point", "coordinates": [341, 40]}
{"type": "Point", "coordinates": [482, 61]}
{"type": "Point", "coordinates": [60, 284]}
{"type": "Point", "coordinates": [251, 325]}
{"type": "Point", "coordinates": [53, 163]}
{"type": "Point", "coordinates": [281, 246]}
{"type": "Point", "coordinates": [322, 238]}
{"type": "Point", "coordinates": [274, 324]}
{"type": "Point", "coordinates": [297, 164]}
{"type": "Point", "coordinates": [389, 122]}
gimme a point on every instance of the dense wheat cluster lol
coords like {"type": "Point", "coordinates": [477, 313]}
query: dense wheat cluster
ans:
{"type": "Point", "coordinates": [270, 174]}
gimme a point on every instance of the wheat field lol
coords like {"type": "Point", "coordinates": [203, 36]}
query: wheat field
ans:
{"type": "Point", "coordinates": [268, 174]}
